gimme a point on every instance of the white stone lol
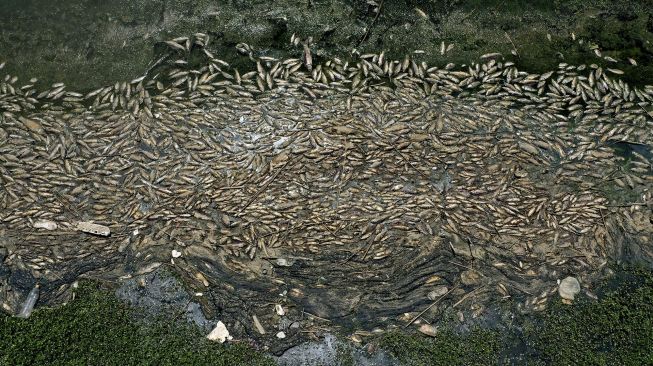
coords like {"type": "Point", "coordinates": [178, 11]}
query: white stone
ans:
{"type": "Point", "coordinates": [569, 288]}
{"type": "Point", "coordinates": [219, 333]}
{"type": "Point", "coordinates": [176, 254]}
{"type": "Point", "coordinates": [281, 335]}
{"type": "Point", "coordinates": [428, 329]}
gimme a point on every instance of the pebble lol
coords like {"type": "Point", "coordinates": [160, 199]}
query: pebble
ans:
{"type": "Point", "coordinates": [281, 335]}
{"type": "Point", "coordinates": [176, 254]}
{"type": "Point", "coordinates": [568, 289]}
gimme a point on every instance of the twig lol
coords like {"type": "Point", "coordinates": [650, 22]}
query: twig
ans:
{"type": "Point", "coordinates": [367, 32]}
{"type": "Point", "coordinates": [430, 306]}
{"type": "Point", "coordinates": [468, 295]}
{"type": "Point", "coordinates": [315, 316]}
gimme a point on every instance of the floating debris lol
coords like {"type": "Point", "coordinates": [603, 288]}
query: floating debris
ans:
{"type": "Point", "coordinates": [95, 229]}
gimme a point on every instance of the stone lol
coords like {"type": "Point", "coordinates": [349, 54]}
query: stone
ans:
{"type": "Point", "coordinates": [219, 333]}
{"type": "Point", "coordinates": [428, 329]}
{"type": "Point", "coordinates": [569, 288]}
{"type": "Point", "coordinates": [281, 335]}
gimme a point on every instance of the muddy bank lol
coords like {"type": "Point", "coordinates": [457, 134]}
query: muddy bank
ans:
{"type": "Point", "coordinates": [88, 43]}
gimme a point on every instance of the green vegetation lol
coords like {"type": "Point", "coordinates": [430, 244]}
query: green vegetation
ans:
{"type": "Point", "coordinates": [88, 43]}
{"type": "Point", "coordinates": [479, 347]}
{"type": "Point", "coordinates": [616, 330]}
{"type": "Point", "coordinates": [97, 329]}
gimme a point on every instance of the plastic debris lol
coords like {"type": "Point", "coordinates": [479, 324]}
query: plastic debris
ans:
{"type": "Point", "coordinates": [29, 303]}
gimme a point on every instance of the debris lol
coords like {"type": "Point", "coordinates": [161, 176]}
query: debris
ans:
{"type": "Point", "coordinates": [279, 310]}
{"type": "Point", "coordinates": [29, 303]}
{"type": "Point", "coordinates": [257, 324]}
{"type": "Point", "coordinates": [470, 277]}
{"type": "Point", "coordinates": [176, 254]}
{"type": "Point", "coordinates": [91, 228]}
{"type": "Point", "coordinates": [45, 224]}
{"type": "Point", "coordinates": [219, 333]}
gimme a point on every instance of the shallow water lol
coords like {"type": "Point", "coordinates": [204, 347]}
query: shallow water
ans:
{"type": "Point", "coordinates": [319, 283]}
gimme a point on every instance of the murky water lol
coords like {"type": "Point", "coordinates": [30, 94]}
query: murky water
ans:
{"type": "Point", "coordinates": [345, 192]}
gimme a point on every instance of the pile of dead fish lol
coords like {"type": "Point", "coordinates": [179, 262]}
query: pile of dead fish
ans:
{"type": "Point", "coordinates": [371, 160]}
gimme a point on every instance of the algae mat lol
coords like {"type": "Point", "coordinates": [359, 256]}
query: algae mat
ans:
{"type": "Point", "coordinates": [365, 193]}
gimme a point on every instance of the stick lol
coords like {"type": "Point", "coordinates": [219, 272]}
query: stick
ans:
{"type": "Point", "coordinates": [367, 32]}
{"type": "Point", "coordinates": [430, 306]}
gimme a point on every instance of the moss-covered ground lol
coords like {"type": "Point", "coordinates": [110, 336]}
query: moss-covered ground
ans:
{"type": "Point", "coordinates": [615, 330]}
{"type": "Point", "coordinates": [88, 43]}
{"type": "Point", "coordinates": [97, 329]}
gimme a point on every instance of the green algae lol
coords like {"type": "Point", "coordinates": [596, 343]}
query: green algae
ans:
{"type": "Point", "coordinates": [97, 329]}
{"type": "Point", "coordinates": [615, 330]}
{"type": "Point", "coordinates": [88, 43]}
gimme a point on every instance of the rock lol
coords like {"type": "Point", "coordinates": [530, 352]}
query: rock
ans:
{"type": "Point", "coordinates": [568, 288]}
{"type": "Point", "coordinates": [219, 333]}
{"type": "Point", "coordinates": [428, 329]}
{"type": "Point", "coordinates": [470, 277]}
{"type": "Point", "coordinates": [176, 254]}
{"type": "Point", "coordinates": [437, 292]}
{"type": "Point", "coordinates": [281, 335]}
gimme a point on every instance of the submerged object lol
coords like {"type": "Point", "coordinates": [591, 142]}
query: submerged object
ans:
{"type": "Point", "coordinates": [29, 303]}
{"type": "Point", "coordinates": [91, 228]}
